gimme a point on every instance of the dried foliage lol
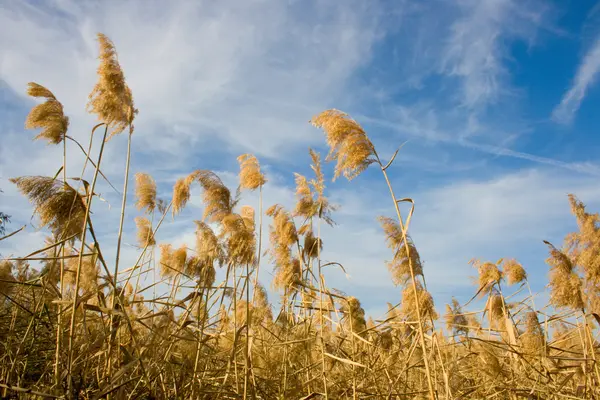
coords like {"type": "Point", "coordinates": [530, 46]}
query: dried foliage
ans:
{"type": "Point", "coordinates": [69, 329]}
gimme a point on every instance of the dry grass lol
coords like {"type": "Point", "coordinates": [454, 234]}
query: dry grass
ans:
{"type": "Point", "coordinates": [72, 329]}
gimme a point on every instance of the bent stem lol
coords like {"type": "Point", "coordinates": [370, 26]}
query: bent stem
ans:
{"type": "Point", "coordinates": [412, 273]}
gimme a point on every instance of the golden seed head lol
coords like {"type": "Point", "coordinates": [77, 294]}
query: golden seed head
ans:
{"type": "Point", "coordinates": [181, 194]}
{"type": "Point", "coordinates": [354, 315]}
{"type": "Point", "coordinates": [348, 143]}
{"type": "Point", "coordinates": [455, 319]}
{"type": "Point", "coordinates": [403, 262]}
{"type": "Point", "coordinates": [57, 204]}
{"type": "Point", "coordinates": [514, 272]}
{"type": "Point", "coordinates": [48, 116]}
{"type": "Point", "coordinates": [145, 234]}
{"type": "Point", "coordinates": [250, 175]}
{"type": "Point", "coordinates": [313, 246]}
{"type": "Point", "coordinates": [145, 192]}
{"type": "Point", "coordinates": [409, 301]}
{"type": "Point", "coordinates": [565, 284]}
{"type": "Point", "coordinates": [111, 98]}
{"type": "Point", "coordinates": [172, 262]}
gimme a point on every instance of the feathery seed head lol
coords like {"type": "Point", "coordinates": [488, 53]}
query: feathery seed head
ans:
{"type": "Point", "coordinates": [111, 98]}
{"type": "Point", "coordinates": [181, 194]}
{"type": "Point", "coordinates": [409, 301]}
{"type": "Point", "coordinates": [348, 143]}
{"type": "Point", "coordinates": [400, 266]}
{"type": "Point", "coordinates": [514, 272]}
{"type": "Point", "coordinates": [565, 284]}
{"type": "Point", "coordinates": [247, 213]}
{"type": "Point", "coordinates": [145, 234]}
{"type": "Point", "coordinates": [241, 243]}
{"type": "Point", "coordinates": [251, 177]}
{"type": "Point", "coordinates": [172, 262]}
{"type": "Point", "coordinates": [312, 245]}
{"type": "Point", "coordinates": [354, 314]}
{"type": "Point", "coordinates": [208, 248]}
{"type": "Point", "coordinates": [306, 206]}
{"type": "Point", "coordinates": [455, 319]}
{"type": "Point", "coordinates": [145, 192]}
{"type": "Point", "coordinates": [533, 339]}
{"type": "Point", "coordinates": [489, 275]}
{"type": "Point", "coordinates": [49, 116]}
{"type": "Point", "coordinates": [88, 278]}
{"type": "Point", "coordinates": [58, 205]}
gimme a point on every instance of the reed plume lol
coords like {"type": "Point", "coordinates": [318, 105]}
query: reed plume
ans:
{"type": "Point", "coordinates": [400, 265]}
{"type": "Point", "coordinates": [111, 99]}
{"type": "Point", "coordinates": [172, 262]}
{"type": "Point", "coordinates": [489, 275]}
{"type": "Point", "coordinates": [181, 194]}
{"type": "Point", "coordinates": [533, 339]}
{"type": "Point", "coordinates": [306, 206]}
{"type": "Point", "coordinates": [216, 196]}
{"type": "Point", "coordinates": [145, 234]}
{"type": "Point", "coordinates": [354, 315]}
{"type": "Point", "coordinates": [145, 192]}
{"type": "Point", "coordinates": [565, 284]}
{"type": "Point", "coordinates": [313, 246]}
{"type": "Point", "coordinates": [513, 272]}
{"type": "Point", "coordinates": [240, 241]}
{"type": "Point", "coordinates": [409, 300]}
{"type": "Point", "coordinates": [208, 248]}
{"type": "Point", "coordinates": [251, 177]}
{"type": "Point", "coordinates": [348, 143]}
{"type": "Point", "coordinates": [57, 204]}
{"type": "Point", "coordinates": [88, 280]}
{"type": "Point", "coordinates": [49, 116]}
{"type": "Point", "coordinates": [455, 318]}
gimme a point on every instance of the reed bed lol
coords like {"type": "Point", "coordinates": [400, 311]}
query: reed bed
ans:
{"type": "Point", "coordinates": [76, 325]}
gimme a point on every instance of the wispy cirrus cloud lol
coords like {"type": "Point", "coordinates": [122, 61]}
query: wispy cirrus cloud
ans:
{"type": "Point", "coordinates": [585, 77]}
{"type": "Point", "coordinates": [477, 49]}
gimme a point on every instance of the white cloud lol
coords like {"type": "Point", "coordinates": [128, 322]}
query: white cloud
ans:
{"type": "Point", "coordinates": [251, 73]}
{"type": "Point", "coordinates": [213, 80]}
{"type": "Point", "coordinates": [586, 75]}
{"type": "Point", "coordinates": [477, 50]}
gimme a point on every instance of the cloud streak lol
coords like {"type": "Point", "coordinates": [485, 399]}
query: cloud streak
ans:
{"type": "Point", "coordinates": [477, 47]}
{"type": "Point", "coordinates": [585, 77]}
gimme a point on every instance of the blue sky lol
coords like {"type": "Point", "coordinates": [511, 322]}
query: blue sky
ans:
{"type": "Point", "coordinates": [496, 98]}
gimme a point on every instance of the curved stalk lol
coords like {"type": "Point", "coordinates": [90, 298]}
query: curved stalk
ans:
{"type": "Point", "coordinates": [412, 275]}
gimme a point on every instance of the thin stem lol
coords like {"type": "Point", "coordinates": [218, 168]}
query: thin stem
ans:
{"type": "Point", "coordinates": [119, 238]}
{"type": "Point", "coordinates": [413, 279]}
{"type": "Point", "coordinates": [79, 263]}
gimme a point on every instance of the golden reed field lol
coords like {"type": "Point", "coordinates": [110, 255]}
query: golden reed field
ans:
{"type": "Point", "coordinates": [76, 325]}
